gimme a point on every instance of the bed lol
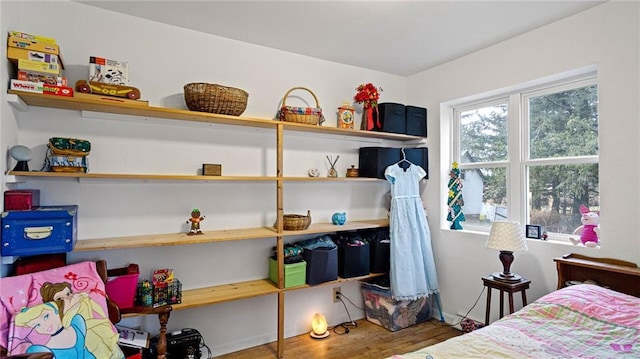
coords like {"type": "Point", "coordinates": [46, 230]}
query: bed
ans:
{"type": "Point", "coordinates": [575, 321]}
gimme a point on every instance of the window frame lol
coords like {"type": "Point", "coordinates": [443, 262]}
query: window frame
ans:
{"type": "Point", "coordinates": [518, 145]}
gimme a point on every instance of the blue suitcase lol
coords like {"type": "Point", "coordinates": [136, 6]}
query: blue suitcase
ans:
{"type": "Point", "coordinates": [43, 230]}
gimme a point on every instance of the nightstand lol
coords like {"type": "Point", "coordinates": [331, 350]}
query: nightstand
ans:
{"type": "Point", "coordinates": [504, 287]}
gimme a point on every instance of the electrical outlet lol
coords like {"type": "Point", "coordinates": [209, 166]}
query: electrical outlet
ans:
{"type": "Point", "coordinates": [335, 297]}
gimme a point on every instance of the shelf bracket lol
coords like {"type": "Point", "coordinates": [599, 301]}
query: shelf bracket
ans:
{"type": "Point", "coordinates": [17, 103]}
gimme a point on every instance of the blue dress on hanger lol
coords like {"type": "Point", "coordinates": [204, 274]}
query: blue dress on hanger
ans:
{"type": "Point", "coordinates": [413, 270]}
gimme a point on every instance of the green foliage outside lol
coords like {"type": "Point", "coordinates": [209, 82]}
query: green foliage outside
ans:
{"type": "Point", "coordinates": [562, 124]}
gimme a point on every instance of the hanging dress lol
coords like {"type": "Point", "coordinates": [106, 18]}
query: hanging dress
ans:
{"type": "Point", "coordinates": [413, 271]}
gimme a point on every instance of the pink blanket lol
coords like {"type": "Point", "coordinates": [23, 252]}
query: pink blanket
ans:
{"type": "Point", "coordinates": [581, 321]}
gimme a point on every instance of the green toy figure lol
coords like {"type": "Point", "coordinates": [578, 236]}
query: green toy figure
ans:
{"type": "Point", "coordinates": [195, 222]}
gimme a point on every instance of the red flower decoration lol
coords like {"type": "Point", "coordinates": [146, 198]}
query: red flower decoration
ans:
{"type": "Point", "coordinates": [367, 94]}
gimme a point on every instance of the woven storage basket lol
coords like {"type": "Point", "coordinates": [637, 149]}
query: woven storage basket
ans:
{"type": "Point", "coordinates": [212, 98]}
{"type": "Point", "coordinates": [304, 115]}
{"type": "Point", "coordinates": [296, 222]}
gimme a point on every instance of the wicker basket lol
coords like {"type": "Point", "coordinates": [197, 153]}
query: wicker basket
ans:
{"type": "Point", "coordinates": [212, 98]}
{"type": "Point", "coordinates": [296, 222]}
{"type": "Point", "coordinates": [304, 115]}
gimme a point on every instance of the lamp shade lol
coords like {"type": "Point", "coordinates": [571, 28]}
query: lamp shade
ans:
{"type": "Point", "coordinates": [506, 236]}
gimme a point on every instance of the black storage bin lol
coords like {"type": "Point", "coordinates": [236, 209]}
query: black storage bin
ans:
{"type": "Point", "coordinates": [418, 156]}
{"type": "Point", "coordinates": [379, 249]}
{"type": "Point", "coordinates": [374, 160]}
{"type": "Point", "coordinates": [416, 121]}
{"type": "Point", "coordinates": [322, 264]}
{"type": "Point", "coordinates": [392, 117]}
{"type": "Point", "coordinates": [353, 261]}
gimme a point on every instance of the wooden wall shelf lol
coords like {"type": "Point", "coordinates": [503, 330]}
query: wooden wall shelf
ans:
{"type": "Point", "coordinates": [193, 298]}
{"type": "Point", "coordinates": [97, 105]}
{"type": "Point", "coordinates": [178, 239]}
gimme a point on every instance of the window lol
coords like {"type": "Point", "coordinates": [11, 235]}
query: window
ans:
{"type": "Point", "coordinates": [529, 155]}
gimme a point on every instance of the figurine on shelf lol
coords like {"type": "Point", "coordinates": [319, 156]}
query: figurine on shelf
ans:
{"type": "Point", "coordinates": [195, 220]}
{"type": "Point", "coordinates": [332, 163]}
{"type": "Point", "coordinates": [339, 218]}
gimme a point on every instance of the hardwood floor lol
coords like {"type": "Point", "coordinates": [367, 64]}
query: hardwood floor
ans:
{"type": "Point", "coordinates": [367, 341]}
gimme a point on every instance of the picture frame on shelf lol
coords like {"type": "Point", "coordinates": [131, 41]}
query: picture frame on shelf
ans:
{"type": "Point", "coordinates": [533, 231]}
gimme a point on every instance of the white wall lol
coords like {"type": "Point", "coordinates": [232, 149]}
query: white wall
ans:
{"type": "Point", "coordinates": [162, 59]}
{"type": "Point", "coordinates": [607, 36]}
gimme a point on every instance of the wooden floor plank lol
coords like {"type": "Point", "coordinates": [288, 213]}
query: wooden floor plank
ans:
{"type": "Point", "coordinates": [367, 341]}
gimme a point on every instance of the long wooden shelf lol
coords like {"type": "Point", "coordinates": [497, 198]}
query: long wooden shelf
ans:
{"type": "Point", "coordinates": [176, 239]}
{"type": "Point", "coordinates": [183, 177]}
{"type": "Point", "coordinates": [139, 176]}
{"type": "Point", "coordinates": [97, 105]}
{"type": "Point", "coordinates": [193, 298]}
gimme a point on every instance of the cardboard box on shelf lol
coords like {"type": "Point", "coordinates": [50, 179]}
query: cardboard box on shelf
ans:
{"type": "Point", "coordinates": [33, 76]}
{"type": "Point", "coordinates": [57, 90]}
{"type": "Point", "coordinates": [32, 37]}
{"type": "Point", "coordinates": [14, 54]}
{"type": "Point", "coordinates": [30, 65]}
{"type": "Point", "coordinates": [108, 71]}
{"type": "Point", "coordinates": [26, 86]}
{"type": "Point", "coordinates": [33, 45]}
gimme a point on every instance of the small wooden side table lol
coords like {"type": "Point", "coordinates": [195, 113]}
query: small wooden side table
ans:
{"type": "Point", "coordinates": [504, 287]}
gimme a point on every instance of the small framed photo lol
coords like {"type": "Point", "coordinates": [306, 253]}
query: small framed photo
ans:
{"type": "Point", "coordinates": [534, 231]}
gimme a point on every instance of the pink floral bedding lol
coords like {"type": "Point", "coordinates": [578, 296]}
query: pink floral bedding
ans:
{"type": "Point", "coordinates": [581, 321]}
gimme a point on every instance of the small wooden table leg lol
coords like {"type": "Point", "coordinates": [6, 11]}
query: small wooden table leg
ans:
{"type": "Point", "coordinates": [501, 303]}
{"type": "Point", "coordinates": [486, 316]}
{"type": "Point", "coordinates": [511, 302]}
{"type": "Point", "coordinates": [524, 298]}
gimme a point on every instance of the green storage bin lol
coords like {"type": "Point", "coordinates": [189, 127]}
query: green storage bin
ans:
{"type": "Point", "coordinates": [295, 274]}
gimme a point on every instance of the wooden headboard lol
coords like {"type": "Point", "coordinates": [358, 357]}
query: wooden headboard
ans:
{"type": "Point", "coordinates": [619, 275]}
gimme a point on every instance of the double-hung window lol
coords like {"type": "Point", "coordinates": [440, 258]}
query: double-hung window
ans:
{"type": "Point", "coordinates": [529, 156]}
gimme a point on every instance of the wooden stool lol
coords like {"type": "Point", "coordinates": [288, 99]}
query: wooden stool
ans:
{"type": "Point", "coordinates": [520, 286]}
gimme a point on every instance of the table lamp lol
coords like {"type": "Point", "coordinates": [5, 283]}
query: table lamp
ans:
{"type": "Point", "coordinates": [506, 237]}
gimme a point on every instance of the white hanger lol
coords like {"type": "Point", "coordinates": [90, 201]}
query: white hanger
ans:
{"type": "Point", "coordinates": [404, 158]}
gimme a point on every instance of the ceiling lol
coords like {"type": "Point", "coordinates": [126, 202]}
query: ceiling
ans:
{"type": "Point", "coordinates": [397, 37]}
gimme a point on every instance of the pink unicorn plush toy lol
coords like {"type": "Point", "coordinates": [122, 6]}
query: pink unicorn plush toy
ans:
{"type": "Point", "coordinates": [589, 231]}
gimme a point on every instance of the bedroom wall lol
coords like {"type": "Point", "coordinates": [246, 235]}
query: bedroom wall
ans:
{"type": "Point", "coordinates": [607, 36]}
{"type": "Point", "coordinates": [162, 59]}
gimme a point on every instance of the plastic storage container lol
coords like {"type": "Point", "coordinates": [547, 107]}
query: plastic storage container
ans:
{"type": "Point", "coordinates": [383, 310]}
{"type": "Point", "coordinates": [122, 289]}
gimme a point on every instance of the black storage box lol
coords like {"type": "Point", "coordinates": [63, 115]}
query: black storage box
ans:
{"type": "Point", "coordinates": [416, 121]}
{"type": "Point", "coordinates": [374, 160]}
{"type": "Point", "coordinates": [392, 117]}
{"type": "Point", "coordinates": [379, 249]}
{"type": "Point", "coordinates": [418, 156]}
{"type": "Point", "coordinates": [353, 261]}
{"type": "Point", "coordinates": [322, 264]}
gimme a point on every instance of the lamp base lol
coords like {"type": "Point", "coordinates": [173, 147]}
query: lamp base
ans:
{"type": "Point", "coordinates": [507, 277]}
{"type": "Point", "coordinates": [319, 336]}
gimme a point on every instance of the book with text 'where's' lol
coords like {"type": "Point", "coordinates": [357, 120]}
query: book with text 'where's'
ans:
{"type": "Point", "coordinates": [133, 337]}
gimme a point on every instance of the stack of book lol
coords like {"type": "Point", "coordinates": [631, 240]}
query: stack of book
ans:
{"type": "Point", "coordinates": [38, 64]}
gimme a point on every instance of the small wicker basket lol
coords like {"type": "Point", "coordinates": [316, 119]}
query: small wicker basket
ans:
{"type": "Point", "coordinates": [304, 115]}
{"type": "Point", "coordinates": [212, 98]}
{"type": "Point", "coordinates": [296, 222]}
